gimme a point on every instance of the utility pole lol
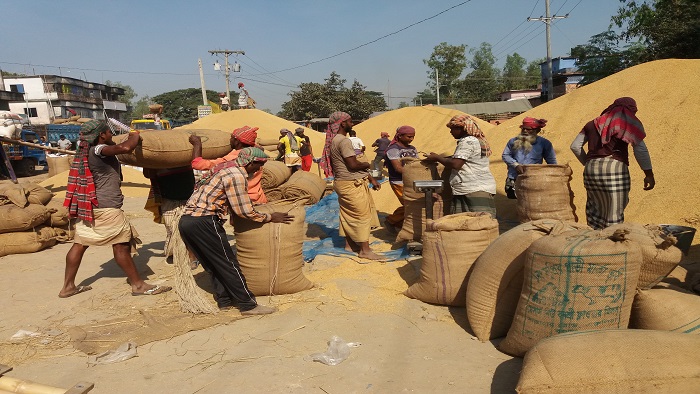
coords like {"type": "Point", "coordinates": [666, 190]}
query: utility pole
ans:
{"type": "Point", "coordinates": [227, 70]}
{"type": "Point", "coordinates": [437, 86]}
{"type": "Point", "coordinates": [547, 19]}
{"type": "Point", "coordinates": [201, 81]}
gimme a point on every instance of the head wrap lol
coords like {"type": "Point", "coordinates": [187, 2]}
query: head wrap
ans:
{"type": "Point", "coordinates": [384, 134]}
{"type": "Point", "coordinates": [249, 155]}
{"type": "Point", "coordinates": [299, 130]}
{"type": "Point", "coordinates": [619, 120]}
{"type": "Point", "coordinates": [467, 124]}
{"type": "Point", "coordinates": [402, 130]}
{"type": "Point", "coordinates": [246, 135]}
{"type": "Point", "coordinates": [240, 84]}
{"type": "Point", "coordinates": [334, 122]}
{"type": "Point", "coordinates": [80, 192]}
{"type": "Point", "coordinates": [532, 123]}
{"type": "Point", "coordinates": [293, 143]}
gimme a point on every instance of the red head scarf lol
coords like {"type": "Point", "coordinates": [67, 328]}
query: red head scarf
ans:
{"type": "Point", "coordinates": [619, 120]}
{"type": "Point", "coordinates": [532, 123]}
{"type": "Point", "coordinates": [246, 135]}
{"type": "Point", "coordinates": [467, 124]}
{"type": "Point", "coordinates": [403, 130]}
{"type": "Point", "coordinates": [334, 122]}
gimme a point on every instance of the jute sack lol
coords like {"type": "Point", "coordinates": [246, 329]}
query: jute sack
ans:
{"type": "Point", "coordinates": [450, 246]}
{"type": "Point", "coordinates": [274, 194]}
{"type": "Point", "coordinates": [13, 194]}
{"type": "Point", "coordinates": [274, 174]}
{"type": "Point", "coordinates": [59, 121]}
{"type": "Point", "coordinates": [544, 192]}
{"type": "Point", "coordinates": [613, 361]}
{"type": "Point", "coordinates": [37, 194]}
{"type": "Point", "coordinates": [659, 254]}
{"type": "Point", "coordinates": [575, 281]}
{"type": "Point", "coordinates": [30, 241]}
{"type": "Point", "coordinates": [58, 164]}
{"type": "Point", "coordinates": [497, 276]}
{"type": "Point", "coordinates": [83, 120]}
{"type": "Point", "coordinates": [666, 308]}
{"type": "Point", "coordinates": [268, 141]}
{"type": "Point", "coordinates": [21, 194]}
{"type": "Point", "coordinates": [171, 148]}
{"type": "Point", "coordinates": [414, 202]}
{"type": "Point", "coordinates": [58, 218]}
{"type": "Point", "coordinates": [414, 219]}
{"type": "Point", "coordinates": [270, 254]}
{"type": "Point", "coordinates": [155, 108]}
{"type": "Point", "coordinates": [304, 185]}
{"type": "Point", "coordinates": [14, 218]}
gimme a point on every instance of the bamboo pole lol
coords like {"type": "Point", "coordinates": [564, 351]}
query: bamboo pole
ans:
{"type": "Point", "coordinates": [32, 145]}
{"type": "Point", "coordinates": [19, 386]}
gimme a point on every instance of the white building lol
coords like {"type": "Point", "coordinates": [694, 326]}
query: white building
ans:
{"type": "Point", "coordinates": [47, 97]}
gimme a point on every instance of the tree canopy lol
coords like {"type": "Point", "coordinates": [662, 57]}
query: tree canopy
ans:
{"type": "Point", "coordinates": [316, 100]}
{"type": "Point", "coordinates": [182, 104]}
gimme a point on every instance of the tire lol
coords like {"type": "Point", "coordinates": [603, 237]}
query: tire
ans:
{"type": "Point", "coordinates": [26, 167]}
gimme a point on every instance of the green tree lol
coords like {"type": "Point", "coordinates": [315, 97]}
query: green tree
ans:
{"type": "Point", "coordinates": [483, 82]}
{"type": "Point", "coordinates": [450, 62]}
{"type": "Point", "coordinates": [514, 72]}
{"type": "Point", "coordinates": [425, 97]}
{"type": "Point", "coordinates": [403, 104]}
{"type": "Point", "coordinates": [533, 73]}
{"type": "Point", "coordinates": [666, 28]}
{"type": "Point", "coordinates": [602, 56]}
{"type": "Point", "coordinates": [315, 100]}
{"type": "Point", "coordinates": [127, 98]}
{"type": "Point", "coordinates": [182, 104]}
{"type": "Point", "coordinates": [140, 108]}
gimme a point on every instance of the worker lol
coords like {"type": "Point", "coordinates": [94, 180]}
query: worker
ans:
{"type": "Point", "coordinates": [606, 174]}
{"type": "Point", "coordinates": [306, 151]}
{"type": "Point", "coordinates": [399, 148]}
{"type": "Point", "coordinates": [224, 102]}
{"type": "Point", "coordinates": [381, 144]}
{"type": "Point", "coordinates": [170, 190]}
{"type": "Point", "coordinates": [473, 185]}
{"type": "Point", "coordinates": [526, 148]}
{"type": "Point", "coordinates": [94, 196]}
{"type": "Point", "coordinates": [357, 213]}
{"type": "Point", "coordinates": [292, 149]}
{"type": "Point", "coordinates": [240, 138]}
{"type": "Point", "coordinates": [63, 143]}
{"type": "Point", "coordinates": [357, 144]}
{"type": "Point", "coordinates": [242, 96]}
{"type": "Point", "coordinates": [224, 190]}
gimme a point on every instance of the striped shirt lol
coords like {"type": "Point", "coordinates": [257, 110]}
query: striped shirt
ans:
{"type": "Point", "coordinates": [226, 191]}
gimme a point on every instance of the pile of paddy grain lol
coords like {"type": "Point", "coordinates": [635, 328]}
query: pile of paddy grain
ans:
{"type": "Point", "coordinates": [134, 183]}
{"type": "Point", "coordinates": [668, 111]}
{"type": "Point", "coordinates": [269, 126]}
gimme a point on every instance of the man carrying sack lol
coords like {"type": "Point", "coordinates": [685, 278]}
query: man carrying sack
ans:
{"type": "Point", "coordinates": [201, 227]}
{"type": "Point", "coordinates": [94, 196]}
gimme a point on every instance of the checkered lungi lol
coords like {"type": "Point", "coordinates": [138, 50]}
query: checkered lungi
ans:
{"type": "Point", "coordinates": [608, 184]}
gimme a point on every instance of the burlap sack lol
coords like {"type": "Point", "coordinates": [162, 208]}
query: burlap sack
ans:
{"type": "Point", "coordinates": [11, 193]}
{"type": "Point", "coordinates": [268, 142]}
{"type": "Point", "coordinates": [497, 276]}
{"type": "Point", "coordinates": [414, 219]}
{"type": "Point", "coordinates": [274, 194]}
{"type": "Point", "coordinates": [84, 120]}
{"type": "Point", "coordinates": [304, 185]}
{"type": "Point", "coordinates": [613, 361]}
{"type": "Point", "coordinates": [59, 164]}
{"type": "Point", "coordinates": [59, 121]}
{"type": "Point", "coordinates": [666, 308]}
{"type": "Point", "coordinates": [74, 118]}
{"type": "Point", "coordinates": [450, 246]}
{"type": "Point", "coordinates": [574, 281]}
{"type": "Point", "coordinates": [30, 241]}
{"type": "Point", "coordinates": [155, 108]}
{"type": "Point", "coordinates": [37, 194]}
{"type": "Point", "coordinates": [274, 174]}
{"type": "Point", "coordinates": [171, 148]}
{"type": "Point", "coordinates": [660, 256]}
{"type": "Point", "coordinates": [270, 254]}
{"type": "Point", "coordinates": [271, 149]}
{"type": "Point", "coordinates": [60, 217]}
{"type": "Point", "coordinates": [14, 218]}
{"type": "Point", "coordinates": [544, 192]}
{"type": "Point", "coordinates": [414, 202]}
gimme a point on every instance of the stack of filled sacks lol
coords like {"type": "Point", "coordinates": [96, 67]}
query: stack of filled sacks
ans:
{"type": "Point", "coordinates": [569, 283]}
{"type": "Point", "coordinates": [279, 183]}
{"type": "Point", "coordinates": [29, 221]}
{"type": "Point", "coordinates": [171, 148]}
{"type": "Point", "coordinates": [270, 254]}
{"type": "Point", "coordinates": [269, 145]}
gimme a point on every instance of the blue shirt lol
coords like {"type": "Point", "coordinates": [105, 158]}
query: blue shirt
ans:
{"type": "Point", "coordinates": [542, 149]}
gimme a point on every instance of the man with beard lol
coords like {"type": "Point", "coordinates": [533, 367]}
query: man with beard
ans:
{"type": "Point", "coordinates": [526, 148]}
{"type": "Point", "coordinates": [94, 196]}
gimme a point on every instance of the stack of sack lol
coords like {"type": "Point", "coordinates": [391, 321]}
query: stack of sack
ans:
{"type": "Point", "coordinates": [29, 221]}
{"type": "Point", "coordinates": [270, 254]}
{"type": "Point", "coordinates": [279, 183]}
{"type": "Point", "coordinates": [566, 295]}
{"type": "Point", "coordinates": [73, 120]}
{"type": "Point", "coordinates": [269, 145]}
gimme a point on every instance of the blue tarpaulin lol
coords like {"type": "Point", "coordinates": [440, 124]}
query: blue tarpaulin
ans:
{"type": "Point", "coordinates": [325, 215]}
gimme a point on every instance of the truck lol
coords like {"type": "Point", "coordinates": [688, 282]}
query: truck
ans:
{"type": "Point", "coordinates": [148, 124]}
{"type": "Point", "coordinates": [24, 159]}
{"type": "Point", "coordinates": [54, 132]}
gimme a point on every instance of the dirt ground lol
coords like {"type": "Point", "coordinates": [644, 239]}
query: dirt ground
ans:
{"type": "Point", "coordinates": [406, 345]}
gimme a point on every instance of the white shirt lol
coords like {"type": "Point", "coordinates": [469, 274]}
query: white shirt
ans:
{"type": "Point", "coordinates": [64, 144]}
{"type": "Point", "coordinates": [357, 143]}
{"type": "Point", "coordinates": [243, 98]}
{"type": "Point", "coordinates": [224, 100]}
{"type": "Point", "coordinates": [475, 175]}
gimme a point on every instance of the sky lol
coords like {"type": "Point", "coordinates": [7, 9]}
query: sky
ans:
{"type": "Point", "coordinates": [154, 46]}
